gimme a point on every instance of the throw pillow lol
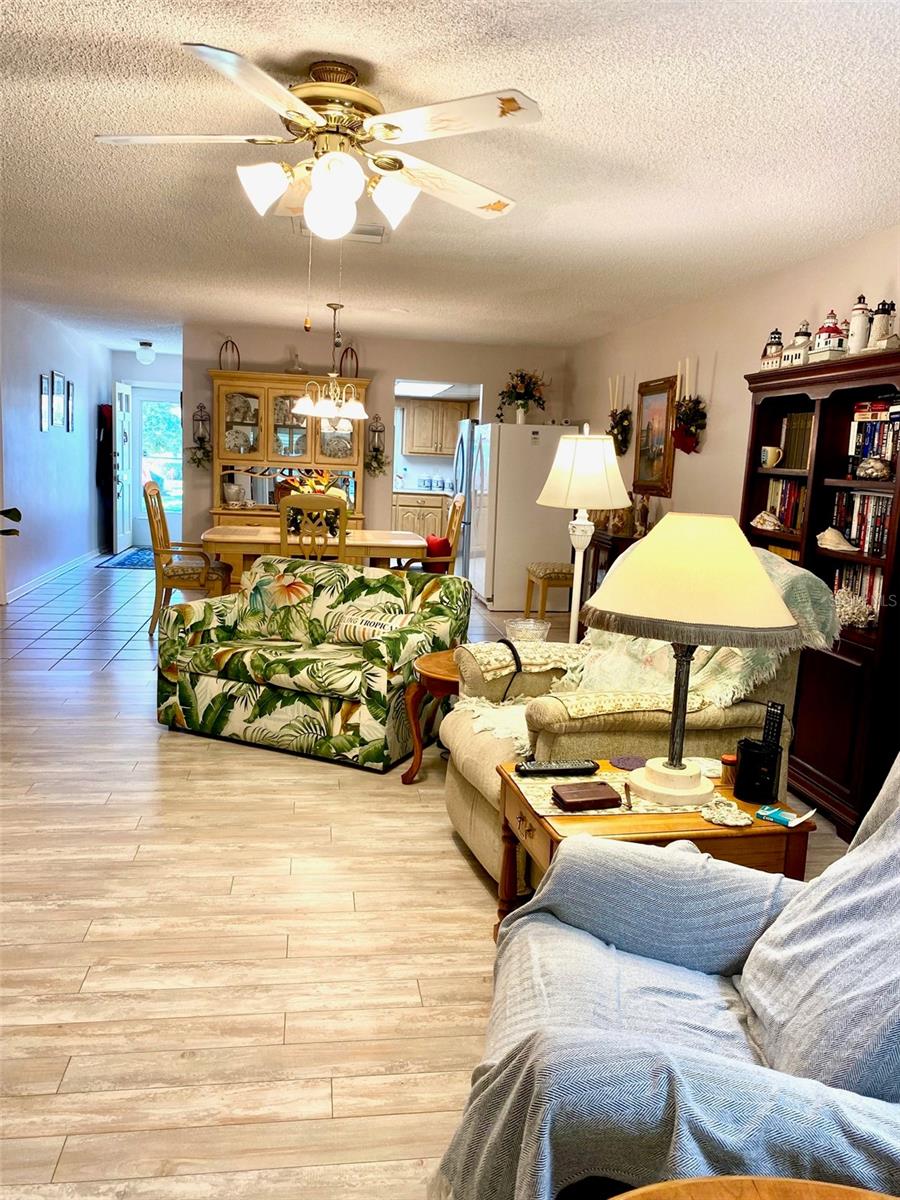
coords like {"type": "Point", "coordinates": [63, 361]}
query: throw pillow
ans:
{"type": "Point", "coordinates": [355, 628]}
{"type": "Point", "coordinates": [822, 984]}
{"type": "Point", "coordinates": [436, 547]}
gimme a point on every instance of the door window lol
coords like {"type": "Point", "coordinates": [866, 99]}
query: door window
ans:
{"type": "Point", "coordinates": [161, 457]}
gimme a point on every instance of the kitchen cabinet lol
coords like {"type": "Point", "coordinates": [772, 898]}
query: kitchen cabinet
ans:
{"type": "Point", "coordinates": [430, 426]}
{"type": "Point", "coordinates": [423, 513]}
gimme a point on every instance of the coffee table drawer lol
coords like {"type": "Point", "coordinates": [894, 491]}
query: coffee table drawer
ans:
{"type": "Point", "coordinates": [522, 822]}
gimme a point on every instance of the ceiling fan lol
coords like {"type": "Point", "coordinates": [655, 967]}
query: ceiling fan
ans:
{"type": "Point", "coordinates": [348, 126]}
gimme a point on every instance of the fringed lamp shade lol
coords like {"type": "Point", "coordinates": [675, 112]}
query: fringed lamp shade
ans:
{"type": "Point", "coordinates": [694, 580]}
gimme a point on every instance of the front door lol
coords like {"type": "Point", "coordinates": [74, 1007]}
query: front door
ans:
{"type": "Point", "coordinates": [122, 533]}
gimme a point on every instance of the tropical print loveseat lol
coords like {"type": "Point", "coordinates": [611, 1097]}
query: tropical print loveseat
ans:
{"type": "Point", "coordinates": [308, 657]}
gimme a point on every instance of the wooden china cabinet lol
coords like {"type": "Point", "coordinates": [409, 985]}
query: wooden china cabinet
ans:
{"type": "Point", "coordinates": [258, 441]}
{"type": "Point", "coordinates": [847, 712]}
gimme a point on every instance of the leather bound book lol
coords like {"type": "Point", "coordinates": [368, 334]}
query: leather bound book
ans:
{"type": "Point", "coordinates": [576, 797]}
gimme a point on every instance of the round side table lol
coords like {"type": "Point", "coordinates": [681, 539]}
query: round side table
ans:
{"type": "Point", "coordinates": [436, 676]}
{"type": "Point", "coordinates": [749, 1187]}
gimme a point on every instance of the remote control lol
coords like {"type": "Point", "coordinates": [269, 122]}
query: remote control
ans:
{"type": "Point", "coordinates": [577, 766]}
{"type": "Point", "coordinates": [772, 727]}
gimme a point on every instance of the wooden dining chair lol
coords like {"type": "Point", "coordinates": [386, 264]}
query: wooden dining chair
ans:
{"type": "Point", "coordinates": [182, 565]}
{"type": "Point", "coordinates": [312, 531]}
{"type": "Point", "coordinates": [451, 535]}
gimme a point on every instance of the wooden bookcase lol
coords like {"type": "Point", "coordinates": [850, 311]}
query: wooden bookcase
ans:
{"type": "Point", "coordinates": [258, 440]}
{"type": "Point", "coordinates": [847, 712]}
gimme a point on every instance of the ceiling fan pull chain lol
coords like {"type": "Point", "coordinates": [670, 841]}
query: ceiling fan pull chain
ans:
{"type": "Point", "coordinates": [307, 323]}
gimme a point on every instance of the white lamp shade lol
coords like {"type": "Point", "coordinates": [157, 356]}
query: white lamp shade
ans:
{"type": "Point", "coordinates": [353, 410]}
{"type": "Point", "coordinates": [304, 406]}
{"type": "Point", "coordinates": [328, 216]}
{"type": "Point", "coordinates": [264, 183]}
{"type": "Point", "coordinates": [339, 175]}
{"type": "Point", "coordinates": [585, 474]}
{"type": "Point", "coordinates": [394, 197]}
{"type": "Point", "coordinates": [693, 579]}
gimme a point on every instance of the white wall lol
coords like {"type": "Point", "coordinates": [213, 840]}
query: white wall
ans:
{"type": "Point", "coordinates": [165, 370]}
{"type": "Point", "coordinates": [381, 359]}
{"type": "Point", "coordinates": [51, 475]}
{"type": "Point", "coordinates": [726, 334]}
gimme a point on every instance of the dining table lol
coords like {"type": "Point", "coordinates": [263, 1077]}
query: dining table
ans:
{"type": "Point", "coordinates": [239, 545]}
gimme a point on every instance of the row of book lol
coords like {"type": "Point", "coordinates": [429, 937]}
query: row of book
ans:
{"type": "Point", "coordinates": [864, 581]}
{"type": "Point", "coordinates": [863, 519]}
{"type": "Point", "coordinates": [875, 430]}
{"type": "Point", "coordinates": [787, 500]}
{"type": "Point", "coordinates": [796, 433]}
{"type": "Point", "coordinates": [791, 553]}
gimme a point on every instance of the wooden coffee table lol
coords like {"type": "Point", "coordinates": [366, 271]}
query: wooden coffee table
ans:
{"type": "Point", "coordinates": [437, 676]}
{"type": "Point", "coordinates": [749, 1187]}
{"type": "Point", "coordinates": [762, 845]}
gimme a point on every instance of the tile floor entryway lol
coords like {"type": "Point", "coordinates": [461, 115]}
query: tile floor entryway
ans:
{"type": "Point", "coordinates": [228, 973]}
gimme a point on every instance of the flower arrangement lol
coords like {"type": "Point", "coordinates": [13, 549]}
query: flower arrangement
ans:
{"type": "Point", "coordinates": [320, 483]}
{"type": "Point", "coordinates": [524, 389]}
{"type": "Point", "coordinates": [376, 464]}
{"type": "Point", "coordinates": [690, 421]}
{"type": "Point", "coordinates": [619, 429]}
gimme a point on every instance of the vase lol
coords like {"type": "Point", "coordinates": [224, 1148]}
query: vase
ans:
{"type": "Point", "coordinates": [520, 416]}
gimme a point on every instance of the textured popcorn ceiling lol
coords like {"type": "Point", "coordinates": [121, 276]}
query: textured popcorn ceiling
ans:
{"type": "Point", "coordinates": [684, 146]}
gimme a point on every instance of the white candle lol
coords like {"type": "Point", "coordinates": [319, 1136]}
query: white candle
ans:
{"type": "Point", "coordinates": [609, 386]}
{"type": "Point", "coordinates": [687, 376]}
{"type": "Point", "coordinates": [678, 383]}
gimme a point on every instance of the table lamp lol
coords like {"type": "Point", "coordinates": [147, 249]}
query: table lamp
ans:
{"type": "Point", "coordinates": [584, 475]}
{"type": "Point", "coordinates": [694, 580]}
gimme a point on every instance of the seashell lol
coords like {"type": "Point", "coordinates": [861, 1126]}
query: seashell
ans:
{"type": "Point", "coordinates": [768, 521]}
{"type": "Point", "coordinates": [851, 609]}
{"type": "Point", "coordinates": [873, 468]}
{"type": "Point", "coordinates": [833, 539]}
{"type": "Point", "coordinates": [725, 812]}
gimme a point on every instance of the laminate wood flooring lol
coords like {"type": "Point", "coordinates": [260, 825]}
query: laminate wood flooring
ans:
{"type": "Point", "coordinates": [226, 972]}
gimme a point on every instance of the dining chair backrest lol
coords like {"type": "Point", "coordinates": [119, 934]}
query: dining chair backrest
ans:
{"type": "Point", "coordinates": [454, 522]}
{"type": "Point", "coordinates": [156, 517]}
{"type": "Point", "coordinates": [311, 526]}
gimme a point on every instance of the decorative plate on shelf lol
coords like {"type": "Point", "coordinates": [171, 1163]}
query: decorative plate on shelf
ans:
{"type": "Point", "coordinates": [238, 441]}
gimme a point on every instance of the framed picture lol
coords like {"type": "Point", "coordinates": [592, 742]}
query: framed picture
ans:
{"type": "Point", "coordinates": [45, 403]}
{"type": "Point", "coordinates": [57, 399]}
{"type": "Point", "coordinates": [654, 452]}
{"type": "Point", "coordinates": [70, 406]}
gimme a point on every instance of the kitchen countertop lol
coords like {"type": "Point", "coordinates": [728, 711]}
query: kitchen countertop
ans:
{"type": "Point", "coordinates": [412, 491]}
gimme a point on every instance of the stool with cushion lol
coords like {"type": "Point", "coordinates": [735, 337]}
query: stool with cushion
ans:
{"type": "Point", "coordinates": [546, 575]}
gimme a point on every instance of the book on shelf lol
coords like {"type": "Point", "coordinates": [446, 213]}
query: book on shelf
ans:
{"type": "Point", "coordinates": [791, 553]}
{"type": "Point", "coordinates": [787, 500]}
{"type": "Point", "coordinates": [796, 432]}
{"type": "Point", "coordinates": [875, 431]}
{"type": "Point", "coordinates": [866, 582]}
{"type": "Point", "coordinates": [864, 519]}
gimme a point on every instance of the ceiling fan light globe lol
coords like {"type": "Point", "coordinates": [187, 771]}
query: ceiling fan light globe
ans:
{"type": "Point", "coordinates": [264, 183]}
{"type": "Point", "coordinates": [329, 216]}
{"type": "Point", "coordinates": [394, 197]}
{"type": "Point", "coordinates": [338, 174]}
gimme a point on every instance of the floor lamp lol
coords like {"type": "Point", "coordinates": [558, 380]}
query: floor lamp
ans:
{"type": "Point", "coordinates": [694, 580]}
{"type": "Point", "coordinates": [585, 474]}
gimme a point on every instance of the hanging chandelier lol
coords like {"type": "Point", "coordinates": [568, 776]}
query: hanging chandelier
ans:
{"type": "Point", "coordinates": [331, 400]}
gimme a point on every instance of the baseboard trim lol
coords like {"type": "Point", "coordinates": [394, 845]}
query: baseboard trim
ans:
{"type": "Point", "coordinates": [49, 576]}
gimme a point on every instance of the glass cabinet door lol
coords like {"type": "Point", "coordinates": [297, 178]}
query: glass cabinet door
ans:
{"type": "Point", "coordinates": [337, 439]}
{"type": "Point", "coordinates": [240, 428]}
{"type": "Point", "coordinates": [289, 434]}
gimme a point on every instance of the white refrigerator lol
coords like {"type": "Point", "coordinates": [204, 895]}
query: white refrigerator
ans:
{"type": "Point", "coordinates": [508, 528]}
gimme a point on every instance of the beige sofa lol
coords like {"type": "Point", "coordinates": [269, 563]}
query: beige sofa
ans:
{"type": "Point", "coordinates": [473, 787]}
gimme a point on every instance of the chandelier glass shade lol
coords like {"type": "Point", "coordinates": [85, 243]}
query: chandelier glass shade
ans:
{"type": "Point", "coordinates": [332, 400]}
{"type": "Point", "coordinates": [394, 197]}
{"type": "Point", "coordinates": [265, 183]}
{"type": "Point", "coordinates": [329, 215]}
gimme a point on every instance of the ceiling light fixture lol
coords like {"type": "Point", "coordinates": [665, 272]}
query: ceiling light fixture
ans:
{"type": "Point", "coordinates": [394, 197]}
{"type": "Point", "coordinates": [329, 216]}
{"type": "Point", "coordinates": [265, 183]}
{"type": "Point", "coordinates": [331, 400]}
{"type": "Point", "coordinates": [145, 354]}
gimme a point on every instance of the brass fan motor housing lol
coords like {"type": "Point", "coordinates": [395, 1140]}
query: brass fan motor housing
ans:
{"type": "Point", "coordinates": [333, 93]}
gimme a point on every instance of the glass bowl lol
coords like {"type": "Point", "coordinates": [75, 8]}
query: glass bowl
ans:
{"type": "Point", "coordinates": [527, 629]}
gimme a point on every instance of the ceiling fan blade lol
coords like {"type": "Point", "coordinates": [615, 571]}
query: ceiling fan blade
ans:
{"type": "Point", "coordinates": [470, 114]}
{"type": "Point", "coordinates": [291, 203]}
{"type": "Point", "coordinates": [463, 193]}
{"type": "Point", "coordinates": [162, 139]}
{"type": "Point", "coordinates": [255, 81]}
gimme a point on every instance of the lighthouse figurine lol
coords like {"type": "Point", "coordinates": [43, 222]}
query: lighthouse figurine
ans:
{"type": "Point", "coordinates": [770, 359]}
{"type": "Point", "coordinates": [797, 353]}
{"type": "Point", "coordinates": [860, 315]}
{"type": "Point", "coordinates": [830, 341]}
